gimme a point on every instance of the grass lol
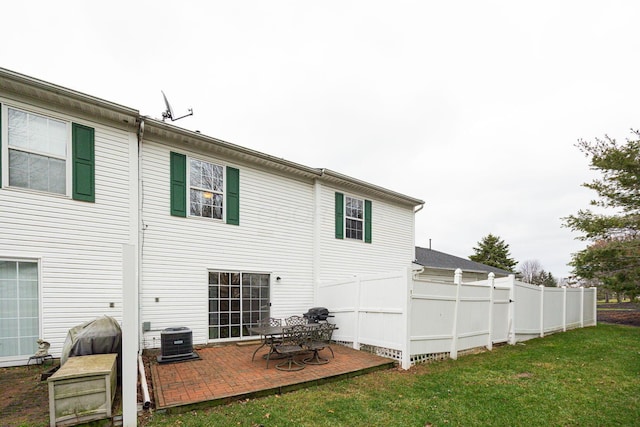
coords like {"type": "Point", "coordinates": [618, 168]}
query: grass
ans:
{"type": "Point", "coordinates": [584, 377]}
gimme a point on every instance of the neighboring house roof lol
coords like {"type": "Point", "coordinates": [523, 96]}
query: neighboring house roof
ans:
{"type": "Point", "coordinates": [435, 259]}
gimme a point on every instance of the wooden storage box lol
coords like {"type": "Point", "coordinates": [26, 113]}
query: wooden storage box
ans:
{"type": "Point", "coordinates": [82, 389]}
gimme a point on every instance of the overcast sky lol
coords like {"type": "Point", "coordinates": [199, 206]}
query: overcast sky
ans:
{"type": "Point", "coordinates": [473, 106]}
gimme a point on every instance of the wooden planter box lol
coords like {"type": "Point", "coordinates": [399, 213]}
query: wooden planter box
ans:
{"type": "Point", "coordinates": [82, 390]}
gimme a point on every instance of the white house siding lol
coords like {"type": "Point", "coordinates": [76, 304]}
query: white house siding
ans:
{"type": "Point", "coordinates": [78, 244]}
{"type": "Point", "coordinates": [275, 236]}
{"type": "Point", "coordinates": [391, 247]}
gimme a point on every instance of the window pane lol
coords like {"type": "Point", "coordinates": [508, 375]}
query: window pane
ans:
{"type": "Point", "coordinates": [196, 173]}
{"type": "Point", "coordinates": [9, 347]}
{"type": "Point", "coordinates": [18, 129]}
{"type": "Point", "coordinates": [217, 206]}
{"type": "Point", "coordinates": [58, 138]}
{"type": "Point", "coordinates": [28, 270]}
{"type": "Point", "coordinates": [29, 289]}
{"type": "Point", "coordinates": [8, 289]}
{"type": "Point", "coordinates": [213, 278]}
{"type": "Point", "coordinates": [38, 140]}
{"type": "Point", "coordinates": [213, 292]}
{"type": "Point", "coordinates": [29, 327]}
{"type": "Point", "coordinates": [57, 176]}
{"type": "Point", "coordinates": [207, 176]}
{"type": "Point", "coordinates": [8, 327]}
{"type": "Point", "coordinates": [8, 308]}
{"type": "Point", "coordinates": [18, 169]}
{"type": "Point", "coordinates": [207, 211]}
{"type": "Point", "coordinates": [28, 345]}
{"type": "Point", "coordinates": [8, 270]}
{"type": "Point", "coordinates": [38, 172]}
{"type": "Point", "coordinates": [28, 307]}
{"type": "Point", "coordinates": [217, 178]}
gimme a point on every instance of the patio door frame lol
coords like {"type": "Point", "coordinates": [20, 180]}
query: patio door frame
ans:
{"type": "Point", "coordinates": [26, 353]}
{"type": "Point", "coordinates": [237, 300]}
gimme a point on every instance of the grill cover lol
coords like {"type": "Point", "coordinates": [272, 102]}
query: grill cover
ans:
{"type": "Point", "coordinates": [317, 313]}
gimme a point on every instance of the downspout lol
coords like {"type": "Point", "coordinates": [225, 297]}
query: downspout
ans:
{"type": "Point", "coordinates": [141, 228]}
{"type": "Point", "coordinates": [146, 403]}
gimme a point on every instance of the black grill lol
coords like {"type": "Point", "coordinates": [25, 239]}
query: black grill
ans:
{"type": "Point", "coordinates": [316, 314]}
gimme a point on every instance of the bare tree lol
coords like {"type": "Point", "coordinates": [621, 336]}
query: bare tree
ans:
{"type": "Point", "coordinates": [529, 270]}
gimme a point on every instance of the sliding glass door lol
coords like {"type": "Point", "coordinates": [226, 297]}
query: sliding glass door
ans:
{"type": "Point", "coordinates": [237, 301]}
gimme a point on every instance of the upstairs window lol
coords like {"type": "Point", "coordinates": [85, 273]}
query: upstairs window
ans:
{"type": "Point", "coordinates": [206, 193]}
{"type": "Point", "coordinates": [37, 151]}
{"type": "Point", "coordinates": [46, 154]}
{"type": "Point", "coordinates": [204, 189]}
{"type": "Point", "coordinates": [354, 218]}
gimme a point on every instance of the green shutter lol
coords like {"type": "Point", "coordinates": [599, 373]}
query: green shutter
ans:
{"type": "Point", "coordinates": [178, 184]}
{"type": "Point", "coordinates": [233, 196]}
{"type": "Point", "coordinates": [367, 221]}
{"type": "Point", "coordinates": [339, 216]}
{"type": "Point", "coordinates": [83, 148]}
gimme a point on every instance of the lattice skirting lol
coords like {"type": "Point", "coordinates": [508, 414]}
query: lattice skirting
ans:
{"type": "Point", "coordinates": [415, 358]}
{"type": "Point", "coordinates": [431, 357]}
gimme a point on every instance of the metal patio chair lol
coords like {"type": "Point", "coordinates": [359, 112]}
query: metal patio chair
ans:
{"type": "Point", "coordinates": [269, 340]}
{"type": "Point", "coordinates": [295, 320]}
{"type": "Point", "coordinates": [320, 339]}
{"type": "Point", "coordinates": [292, 344]}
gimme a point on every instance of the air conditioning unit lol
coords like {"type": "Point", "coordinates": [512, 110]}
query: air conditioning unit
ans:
{"type": "Point", "coordinates": [176, 344]}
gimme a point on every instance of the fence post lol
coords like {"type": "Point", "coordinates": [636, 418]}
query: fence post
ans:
{"type": "Point", "coordinates": [595, 306]}
{"type": "Point", "coordinates": [564, 309]}
{"type": "Point", "coordinates": [582, 306]}
{"type": "Point", "coordinates": [492, 278]}
{"type": "Point", "coordinates": [406, 351]}
{"type": "Point", "coordinates": [541, 310]}
{"type": "Point", "coordinates": [512, 309]}
{"type": "Point", "coordinates": [457, 280]}
{"type": "Point", "coordinates": [356, 314]}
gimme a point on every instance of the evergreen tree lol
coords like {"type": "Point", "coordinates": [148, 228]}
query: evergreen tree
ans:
{"type": "Point", "coordinates": [613, 257]}
{"type": "Point", "coordinates": [493, 251]}
{"type": "Point", "coordinates": [545, 279]}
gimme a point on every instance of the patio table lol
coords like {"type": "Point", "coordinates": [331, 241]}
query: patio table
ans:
{"type": "Point", "coordinates": [269, 335]}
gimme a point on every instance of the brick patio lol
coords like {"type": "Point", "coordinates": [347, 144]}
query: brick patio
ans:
{"type": "Point", "coordinates": [226, 373]}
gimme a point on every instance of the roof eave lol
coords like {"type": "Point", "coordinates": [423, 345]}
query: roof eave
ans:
{"type": "Point", "coordinates": [22, 86]}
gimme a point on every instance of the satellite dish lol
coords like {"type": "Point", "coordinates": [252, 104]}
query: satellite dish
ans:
{"type": "Point", "coordinates": [169, 114]}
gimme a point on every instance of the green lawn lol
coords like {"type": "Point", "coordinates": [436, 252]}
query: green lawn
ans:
{"type": "Point", "coordinates": [584, 377]}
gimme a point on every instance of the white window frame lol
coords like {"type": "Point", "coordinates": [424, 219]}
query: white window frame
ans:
{"type": "Point", "coordinates": [213, 192]}
{"type": "Point", "coordinates": [6, 147]}
{"type": "Point", "coordinates": [348, 217]}
{"type": "Point", "coordinates": [23, 358]}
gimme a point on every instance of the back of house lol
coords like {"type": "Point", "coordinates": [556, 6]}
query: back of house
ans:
{"type": "Point", "coordinates": [223, 235]}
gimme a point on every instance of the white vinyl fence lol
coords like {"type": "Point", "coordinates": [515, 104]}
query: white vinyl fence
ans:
{"type": "Point", "coordinates": [410, 320]}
